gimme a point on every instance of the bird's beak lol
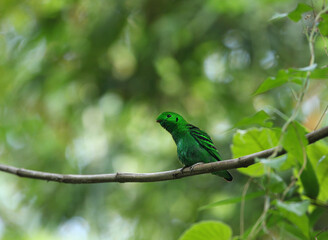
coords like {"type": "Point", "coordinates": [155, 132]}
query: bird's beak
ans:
{"type": "Point", "coordinates": [159, 120]}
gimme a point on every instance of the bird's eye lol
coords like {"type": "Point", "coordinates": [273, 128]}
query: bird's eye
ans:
{"type": "Point", "coordinates": [169, 115]}
{"type": "Point", "coordinates": [177, 119]}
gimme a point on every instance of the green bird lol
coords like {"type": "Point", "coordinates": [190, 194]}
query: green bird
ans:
{"type": "Point", "coordinates": [193, 145]}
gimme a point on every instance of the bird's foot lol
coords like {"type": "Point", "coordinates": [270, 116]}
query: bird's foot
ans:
{"type": "Point", "coordinates": [192, 167]}
{"type": "Point", "coordinates": [183, 168]}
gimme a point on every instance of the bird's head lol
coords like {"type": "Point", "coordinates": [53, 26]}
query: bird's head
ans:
{"type": "Point", "coordinates": [170, 120]}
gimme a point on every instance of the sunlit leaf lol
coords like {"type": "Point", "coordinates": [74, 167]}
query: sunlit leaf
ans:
{"type": "Point", "coordinates": [301, 8]}
{"type": "Point", "coordinates": [283, 76]}
{"type": "Point", "coordinates": [270, 83]}
{"type": "Point", "coordinates": [251, 141]}
{"type": "Point", "coordinates": [318, 155]}
{"type": "Point", "coordinates": [293, 75]}
{"type": "Point", "coordinates": [260, 118]}
{"type": "Point", "coordinates": [207, 230]}
{"type": "Point", "coordinates": [295, 142]}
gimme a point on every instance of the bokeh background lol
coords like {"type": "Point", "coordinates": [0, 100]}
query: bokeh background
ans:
{"type": "Point", "coordinates": [82, 82]}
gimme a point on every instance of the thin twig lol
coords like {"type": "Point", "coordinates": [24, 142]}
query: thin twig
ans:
{"type": "Point", "coordinates": [240, 162]}
{"type": "Point", "coordinates": [324, 113]}
{"type": "Point", "coordinates": [322, 231]}
{"type": "Point", "coordinates": [258, 225]}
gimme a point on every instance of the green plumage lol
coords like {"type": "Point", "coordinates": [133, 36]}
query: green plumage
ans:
{"type": "Point", "coordinates": [193, 144]}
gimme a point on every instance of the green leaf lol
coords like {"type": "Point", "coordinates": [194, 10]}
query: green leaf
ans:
{"type": "Point", "coordinates": [283, 76]}
{"type": "Point", "coordinates": [234, 200]}
{"type": "Point", "coordinates": [320, 73]}
{"type": "Point", "coordinates": [292, 191]}
{"type": "Point", "coordinates": [301, 8]}
{"type": "Point", "coordinates": [207, 230]}
{"type": "Point", "coordinates": [276, 184]}
{"type": "Point", "coordinates": [322, 235]}
{"type": "Point", "coordinates": [318, 155]}
{"type": "Point", "coordinates": [272, 82]}
{"type": "Point", "coordinates": [251, 141]}
{"type": "Point", "coordinates": [260, 118]}
{"type": "Point", "coordinates": [302, 222]}
{"type": "Point", "coordinates": [293, 75]}
{"type": "Point", "coordinates": [323, 25]}
{"type": "Point", "coordinates": [276, 163]}
{"type": "Point", "coordinates": [294, 142]}
{"type": "Point", "coordinates": [309, 181]}
{"type": "Point", "coordinates": [289, 163]}
{"type": "Point", "coordinates": [295, 213]}
{"type": "Point", "coordinates": [291, 229]}
{"type": "Point", "coordinates": [299, 208]}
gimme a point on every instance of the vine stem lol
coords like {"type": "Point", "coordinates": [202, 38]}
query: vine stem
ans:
{"type": "Point", "coordinates": [305, 83]}
{"type": "Point", "coordinates": [242, 206]}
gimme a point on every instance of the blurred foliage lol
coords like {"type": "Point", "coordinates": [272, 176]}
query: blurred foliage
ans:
{"type": "Point", "coordinates": [82, 83]}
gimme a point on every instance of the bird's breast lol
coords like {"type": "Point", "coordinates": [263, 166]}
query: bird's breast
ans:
{"type": "Point", "coordinates": [189, 151]}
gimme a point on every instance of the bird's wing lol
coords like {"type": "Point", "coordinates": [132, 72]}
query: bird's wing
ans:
{"type": "Point", "coordinates": [204, 141]}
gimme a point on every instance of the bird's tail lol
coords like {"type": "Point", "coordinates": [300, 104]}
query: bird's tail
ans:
{"type": "Point", "coordinates": [225, 174]}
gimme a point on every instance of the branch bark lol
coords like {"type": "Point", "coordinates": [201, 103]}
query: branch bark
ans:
{"type": "Point", "coordinates": [240, 162]}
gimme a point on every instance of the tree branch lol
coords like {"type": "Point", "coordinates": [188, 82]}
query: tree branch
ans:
{"type": "Point", "coordinates": [244, 161]}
